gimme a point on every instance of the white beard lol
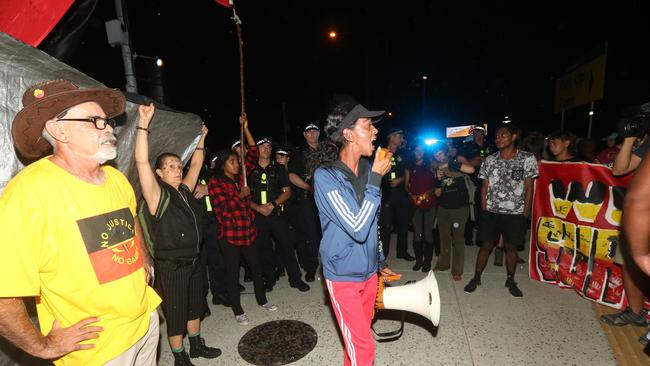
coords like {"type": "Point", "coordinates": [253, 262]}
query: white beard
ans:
{"type": "Point", "coordinates": [105, 154]}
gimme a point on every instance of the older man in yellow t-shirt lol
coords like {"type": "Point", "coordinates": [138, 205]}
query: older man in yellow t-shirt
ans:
{"type": "Point", "coordinates": [70, 238]}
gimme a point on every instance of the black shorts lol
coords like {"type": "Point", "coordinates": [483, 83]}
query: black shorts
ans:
{"type": "Point", "coordinates": [181, 289]}
{"type": "Point", "coordinates": [493, 225]}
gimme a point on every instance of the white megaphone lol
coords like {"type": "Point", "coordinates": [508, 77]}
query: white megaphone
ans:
{"type": "Point", "coordinates": [421, 297]}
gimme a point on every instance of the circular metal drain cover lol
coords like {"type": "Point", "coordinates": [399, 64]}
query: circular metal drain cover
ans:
{"type": "Point", "coordinates": [277, 343]}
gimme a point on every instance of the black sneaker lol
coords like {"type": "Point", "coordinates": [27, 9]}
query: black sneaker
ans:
{"type": "Point", "coordinates": [625, 317]}
{"type": "Point", "coordinates": [301, 286]}
{"type": "Point", "coordinates": [471, 286]}
{"type": "Point", "coordinates": [199, 349]}
{"type": "Point", "coordinates": [514, 290]}
{"type": "Point", "coordinates": [182, 359]}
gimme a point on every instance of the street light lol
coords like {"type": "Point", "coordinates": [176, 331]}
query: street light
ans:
{"type": "Point", "coordinates": [152, 76]}
{"type": "Point", "coordinates": [158, 60]}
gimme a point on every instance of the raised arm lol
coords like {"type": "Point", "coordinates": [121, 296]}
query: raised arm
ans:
{"type": "Point", "coordinates": [626, 161]}
{"type": "Point", "coordinates": [148, 183]}
{"type": "Point", "coordinates": [197, 161]}
{"type": "Point", "coordinates": [250, 141]}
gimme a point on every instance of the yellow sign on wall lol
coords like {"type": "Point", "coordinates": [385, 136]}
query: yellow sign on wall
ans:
{"type": "Point", "coordinates": [581, 86]}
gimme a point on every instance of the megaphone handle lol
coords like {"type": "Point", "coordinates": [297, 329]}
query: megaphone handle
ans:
{"type": "Point", "coordinates": [392, 335]}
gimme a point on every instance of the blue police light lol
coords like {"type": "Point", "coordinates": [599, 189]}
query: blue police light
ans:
{"type": "Point", "coordinates": [430, 142]}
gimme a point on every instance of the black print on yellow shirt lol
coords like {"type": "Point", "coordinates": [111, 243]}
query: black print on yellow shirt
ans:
{"type": "Point", "coordinates": [112, 247]}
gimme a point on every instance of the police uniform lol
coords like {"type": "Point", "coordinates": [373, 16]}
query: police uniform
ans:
{"type": "Point", "coordinates": [395, 209]}
{"type": "Point", "coordinates": [210, 253]}
{"type": "Point", "coordinates": [266, 186]}
{"type": "Point", "coordinates": [469, 151]}
{"type": "Point", "coordinates": [304, 215]}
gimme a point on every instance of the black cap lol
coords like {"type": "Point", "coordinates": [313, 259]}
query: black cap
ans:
{"type": "Point", "coordinates": [263, 141]}
{"type": "Point", "coordinates": [281, 150]}
{"type": "Point", "coordinates": [310, 127]}
{"type": "Point", "coordinates": [357, 112]}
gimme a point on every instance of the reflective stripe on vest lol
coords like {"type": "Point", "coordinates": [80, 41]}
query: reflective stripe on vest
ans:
{"type": "Point", "coordinates": [263, 181]}
{"type": "Point", "coordinates": [208, 205]}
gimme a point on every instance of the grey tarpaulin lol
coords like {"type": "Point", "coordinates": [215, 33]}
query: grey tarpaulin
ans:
{"type": "Point", "coordinates": [21, 66]}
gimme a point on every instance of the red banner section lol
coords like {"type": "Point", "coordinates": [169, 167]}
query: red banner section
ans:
{"type": "Point", "coordinates": [225, 3]}
{"type": "Point", "coordinates": [31, 21]}
{"type": "Point", "coordinates": [575, 238]}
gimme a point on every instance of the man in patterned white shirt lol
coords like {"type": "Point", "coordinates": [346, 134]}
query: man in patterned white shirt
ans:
{"type": "Point", "coordinates": [506, 199]}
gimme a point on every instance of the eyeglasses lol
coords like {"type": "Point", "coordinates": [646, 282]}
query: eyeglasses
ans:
{"type": "Point", "coordinates": [99, 122]}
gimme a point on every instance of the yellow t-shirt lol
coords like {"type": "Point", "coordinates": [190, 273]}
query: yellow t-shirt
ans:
{"type": "Point", "coordinates": [72, 245]}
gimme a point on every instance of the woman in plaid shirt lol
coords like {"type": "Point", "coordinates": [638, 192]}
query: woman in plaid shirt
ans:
{"type": "Point", "coordinates": [231, 202]}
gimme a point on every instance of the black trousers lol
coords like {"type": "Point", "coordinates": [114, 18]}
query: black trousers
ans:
{"type": "Point", "coordinates": [395, 214]}
{"type": "Point", "coordinates": [276, 227]}
{"type": "Point", "coordinates": [180, 285]}
{"type": "Point", "coordinates": [211, 255]}
{"type": "Point", "coordinates": [471, 225]}
{"type": "Point", "coordinates": [303, 215]}
{"type": "Point", "coordinates": [231, 254]}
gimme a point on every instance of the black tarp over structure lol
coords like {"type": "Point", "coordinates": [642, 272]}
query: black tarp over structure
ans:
{"type": "Point", "coordinates": [22, 66]}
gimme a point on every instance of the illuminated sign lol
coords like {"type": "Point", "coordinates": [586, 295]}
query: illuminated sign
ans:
{"type": "Point", "coordinates": [462, 131]}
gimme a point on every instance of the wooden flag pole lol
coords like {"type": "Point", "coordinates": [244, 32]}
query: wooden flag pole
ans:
{"type": "Point", "coordinates": [242, 148]}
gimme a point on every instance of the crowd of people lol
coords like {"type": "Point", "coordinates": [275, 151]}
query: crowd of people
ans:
{"type": "Point", "coordinates": [76, 237]}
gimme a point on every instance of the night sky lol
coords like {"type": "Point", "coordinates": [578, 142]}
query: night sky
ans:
{"type": "Point", "coordinates": [483, 61]}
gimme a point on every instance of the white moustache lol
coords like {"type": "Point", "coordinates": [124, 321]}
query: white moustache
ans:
{"type": "Point", "coordinates": [110, 138]}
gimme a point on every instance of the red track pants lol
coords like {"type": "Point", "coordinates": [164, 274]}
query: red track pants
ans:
{"type": "Point", "coordinates": [354, 304]}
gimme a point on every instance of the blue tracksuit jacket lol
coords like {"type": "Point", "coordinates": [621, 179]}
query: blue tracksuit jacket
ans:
{"type": "Point", "coordinates": [350, 249]}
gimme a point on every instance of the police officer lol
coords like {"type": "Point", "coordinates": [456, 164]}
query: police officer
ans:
{"type": "Point", "coordinates": [473, 152]}
{"type": "Point", "coordinates": [210, 256]}
{"type": "Point", "coordinates": [270, 190]}
{"type": "Point", "coordinates": [395, 206]}
{"type": "Point", "coordinates": [302, 208]}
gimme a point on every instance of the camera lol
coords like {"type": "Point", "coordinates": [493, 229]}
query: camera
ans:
{"type": "Point", "coordinates": [636, 126]}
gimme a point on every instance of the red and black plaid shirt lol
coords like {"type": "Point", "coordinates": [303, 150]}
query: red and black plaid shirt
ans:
{"type": "Point", "coordinates": [234, 214]}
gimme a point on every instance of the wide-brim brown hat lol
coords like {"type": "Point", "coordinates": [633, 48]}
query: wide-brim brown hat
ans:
{"type": "Point", "coordinates": [45, 101]}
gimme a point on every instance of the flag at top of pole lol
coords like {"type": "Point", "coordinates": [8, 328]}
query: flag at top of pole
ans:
{"type": "Point", "coordinates": [226, 3]}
